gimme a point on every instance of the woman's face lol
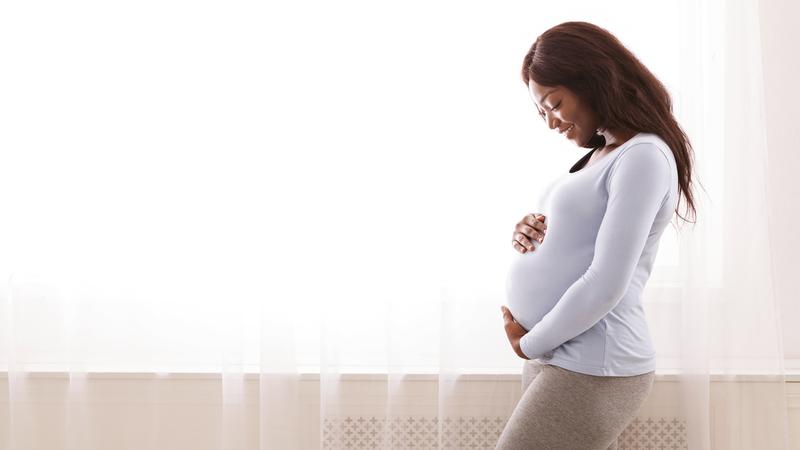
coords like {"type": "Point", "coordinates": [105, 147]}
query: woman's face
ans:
{"type": "Point", "coordinates": [563, 111]}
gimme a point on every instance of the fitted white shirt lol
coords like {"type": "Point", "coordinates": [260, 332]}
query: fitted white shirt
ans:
{"type": "Point", "coordinates": [578, 293]}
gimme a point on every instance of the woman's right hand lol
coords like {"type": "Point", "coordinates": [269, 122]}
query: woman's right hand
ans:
{"type": "Point", "coordinates": [530, 228]}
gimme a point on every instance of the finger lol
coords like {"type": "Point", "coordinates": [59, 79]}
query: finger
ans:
{"type": "Point", "coordinates": [514, 330]}
{"type": "Point", "coordinates": [529, 219]}
{"type": "Point", "coordinates": [510, 321]}
{"type": "Point", "coordinates": [537, 223]}
{"type": "Point", "coordinates": [512, 327]}
{"type": "Point", "coordinates": [533, 216]}
{"type": "Point", "coordinates": [518, 247]}
{"type": "Point", "coordinates": [507, 317]}
{"type": "Point", "coordinates": [531, 233]}
{"type": "Point", "coordinates": [524, 241]}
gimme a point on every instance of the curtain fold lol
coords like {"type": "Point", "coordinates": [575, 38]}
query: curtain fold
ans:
{"type": "Point", "coordinates": [361, 310]}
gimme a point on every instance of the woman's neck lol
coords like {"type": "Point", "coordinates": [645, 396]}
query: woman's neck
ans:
{"type": "Point", "coordinates": [615, 138]}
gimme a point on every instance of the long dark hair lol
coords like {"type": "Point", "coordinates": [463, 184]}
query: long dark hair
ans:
{"type": "Point", "coordinates": [596, 66]}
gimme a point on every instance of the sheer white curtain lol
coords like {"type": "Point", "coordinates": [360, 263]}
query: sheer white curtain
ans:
{"type": "Point", "coordinates": [314, 192]}
{"type": "Point", "coordinates": [730, 318]}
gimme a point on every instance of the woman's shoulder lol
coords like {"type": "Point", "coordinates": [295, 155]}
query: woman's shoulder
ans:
{"type": "Point", "coordinates": [649, 138]}
{"type": "Point", "coordinates": [646, 154]}
{"type": "Point", "coordinates": [643, 140]}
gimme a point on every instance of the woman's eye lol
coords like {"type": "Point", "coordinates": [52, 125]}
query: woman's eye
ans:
{"type": "Point", "coordinates": [554, 107]}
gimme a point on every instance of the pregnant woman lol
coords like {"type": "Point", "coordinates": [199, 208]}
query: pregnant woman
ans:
{"type": "Point", "coordinates": [574, 292]}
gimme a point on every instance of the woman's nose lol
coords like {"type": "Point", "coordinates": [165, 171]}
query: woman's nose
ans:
{"type": "Point", "coordinates": [552, 120]}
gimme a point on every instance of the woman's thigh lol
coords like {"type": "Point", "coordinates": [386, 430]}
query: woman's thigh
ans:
{"type": "Point", "coordinates": [561, 409]}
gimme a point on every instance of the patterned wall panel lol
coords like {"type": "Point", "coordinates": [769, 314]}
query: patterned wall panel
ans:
{"type": "Point", "coordinates": [419, 432]}
{"type": "Point", "coordinates": [668, 433]}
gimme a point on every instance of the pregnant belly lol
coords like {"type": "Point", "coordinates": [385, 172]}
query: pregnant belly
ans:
{"type": "Point", "coordinates": [535, 282]}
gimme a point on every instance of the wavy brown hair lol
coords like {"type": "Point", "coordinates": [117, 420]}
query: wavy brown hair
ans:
{"type": "Point", "coordinates": [591, 62]}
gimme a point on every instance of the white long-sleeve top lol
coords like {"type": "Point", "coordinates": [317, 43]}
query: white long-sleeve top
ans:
{"type": "Point", "coordinates": [579, 292]}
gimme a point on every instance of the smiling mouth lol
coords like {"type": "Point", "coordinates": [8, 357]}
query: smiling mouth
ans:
{"type": "Point", "coordinates": [567, 130]}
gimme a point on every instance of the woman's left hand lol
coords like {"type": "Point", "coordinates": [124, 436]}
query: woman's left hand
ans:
{"type": "Point", "coordinates": [514, 331]}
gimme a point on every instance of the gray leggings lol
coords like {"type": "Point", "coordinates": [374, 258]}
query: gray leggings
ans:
{"type": "Point", "coordinates": [562, 409]}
